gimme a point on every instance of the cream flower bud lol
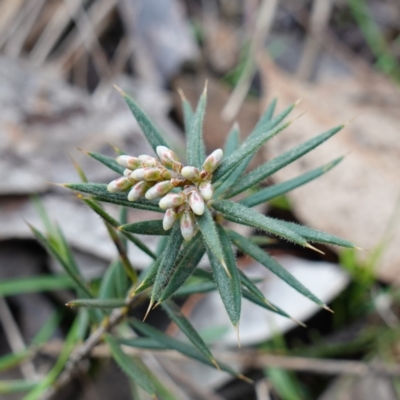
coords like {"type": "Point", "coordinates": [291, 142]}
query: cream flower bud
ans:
{"type": "Point", "coordinates": [138, 174]}
{"type": "Point", "coordinates": [119, 185]}
{"type": "Point", "coordinates": [213, 160]}
{"type": "Point", "coordinates": [171, 200]}
{"type": "Point", "coordinates": [190, 173]}
{"type": "Point", "coordinates": [127, 172]}
{"type": "Point", "coordinates": [152, 174]}
{"type": "Point", "coordinates": [169, 220]}
{"type": "Point", "coordinates": [168, 157]}
{"type": "Point", "coordinates": [129, 162]}
{"type": "Point", "coordinates": [137, 191]}
{"type": "Point", "coordinates": [187, 225]}
{"type": "Point", "coordinates": [206, 190]}
{"type": "Point", "coordinates": [196, 202]}
{"type": "Point", "coordinates": [159, 190]}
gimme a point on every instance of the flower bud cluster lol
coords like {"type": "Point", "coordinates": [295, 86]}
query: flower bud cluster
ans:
{"type": "Point", "coordinates": [148, 177]}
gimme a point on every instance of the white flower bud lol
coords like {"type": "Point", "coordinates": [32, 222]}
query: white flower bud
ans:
{"type": "Point", "coordinates": [196, 202]}
{"type": "Point", "coordinates": [213, 160]}
{"type": "Point", "coordinates": [168, 158]}
{"type": "Point", "coordinates": [187, 225]}
{"type": "Point", "coordinates": [206, 190]}
{"type": "Point", "coordinates": [138, 174]}
{"type": "Point", "coordinates": [152, 174]}
{"type": "Point", "coordinates": [158, 190]}
{"type": "Point", "coordinates": [148, 161]}
{"type": "Point", "coordinates": [119, 185]}
{"type": "Point", "coordinates": [169, 220]}
{"type": "Point", "coordinates": [127, 172]}
{"type": "Point", "coordinates": [190, 173]}
{"type": "Point", "coordinates": [129, 162]}
{"type": "Point", "coordinates": [137, 191]}
{"type": "Point", "coordinates": [171, 200]}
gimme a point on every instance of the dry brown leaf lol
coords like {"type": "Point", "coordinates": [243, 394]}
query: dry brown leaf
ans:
{"type": "Point", "coordinates": [358, 199]}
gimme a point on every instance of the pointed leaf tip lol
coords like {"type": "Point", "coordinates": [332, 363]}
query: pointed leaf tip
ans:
{"type": "Point", "coordinates": [308, 245]}
{"type": "Point", "coordinates": [119, 90]}
{"type": "Point", "coordinates": [325, 307]}
{"type": "Point", "coordinates": [148, 309]}
{"type": "Point", "coordinates": [236, 327]}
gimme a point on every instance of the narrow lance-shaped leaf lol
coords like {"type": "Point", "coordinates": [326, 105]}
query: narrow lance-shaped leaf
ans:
{"type": "Point", "coordinates": [250, 285]}
{"type": "Point", "coordinates": [229, 288]}
{"type": "Point", "coordinates": [186, 327]}
{"type": "Point", "coordinates": [99, 192]}
{"type": "Point", "coordinates": [130, 366]}
{"type": "Point", "coordinates": [151, 227]}
{"type": "Point", "coordinates": [267, 261]}
{"type": "Point", "coordinates": [187, 109]}
{"type": "Point", "coordinates": [267, 130]}
{"type": "Point", "coordinates": [316, 236]}
{"type": "Point", "coordinates": [267, 117]}
{"type": "Point", "coordinates": [191, 256]}
{"type": "Point", "coordinates": [148, 278]}
{"type": "Point", "coordinates": [108, 287]}
{"type": "Point", "coordinates": [249, 147]}
{"type": "Point", "coordinates": [152, 134]}
{"type": "Point", "coordinates": [175, 344]}
{"type": "Point", "coordinates": [193, 288]}
{"type": "Point", "coordinates": [107, 161]}
{"type": "Point", "coordinates": [16, 386]}
{"type": "Point", "coordinates": [267, 169]}
{"type": "Point", "coordinates": [195, 144]}
{"type": "Point", "coordinates": [233, 140]}
{"type": "Point", "coordinates": [284, 187]}
{"type": "Point", "coordinates": [114, 223]}
{"type": "Point", "coordinates": [75, 277]}
{"type": "Point", "coordinates": [235, 212]}
{"type": "Point", "coordinates": [97, 303]}
{"type": "Point", "coordinates": [168, 260]}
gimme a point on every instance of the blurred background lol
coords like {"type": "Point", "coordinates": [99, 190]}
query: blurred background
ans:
{"type": "Point", "coordinates": [59, 60]}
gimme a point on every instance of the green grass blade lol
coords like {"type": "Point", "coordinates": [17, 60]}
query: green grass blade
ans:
{"type": "Point", "coordinates": [250, 285]}
{"type": "Point", "coordinates": [99, 192]}
{"type": "Point", "coordinates": [107, 161]}
{"type": "Point", "coordinates": [187, 328]}
{"type": "Point", "coordinates": [281, 188]}
{"type": "Point", "coordinates": [108, 288]}
{"type": "Point", "coordinates": [235, 212]}
{"type": "Point", "coordinates": [249, 147]}
{"type": "Point", "coordinates": [316, 236]}
{"type": "Point", "coordinates": [194, 288]}
{"type": "Point", "coordinates": [130, 366]}
{"type": "Point", "coordinates": [188, 261]}
{"type": "Point", "coordinates": [144, 343]}
{"type": "Point", "coordinates": [267, 261]}
{"type": "Point", "coordinates": [152, 227]}
{"type": "Point", "coordinates": [12, 360]}
{"type": "Point", "coordinates": [151, 133]}
{"type": "Point", "coordinates": [35, 284]}
{"type": "Point", "coordinates": [195, 144]}
{"type": "Point", "coordinates": [267, 169]}
{"type": "Point", "coordinates": [16, 386]}
{"type": "Point", "coordinates": [175, 344]}
{"type": "Point", "coordinates": [97, 303]}
{"type": "Point", "coordinates": [168, 260]}
{"type": "Point", "coordinates": [228, 287]}
{"type": "Point", "coordinates": [75, 277]}
{"type": "Point", "coordinates": [210, 235]}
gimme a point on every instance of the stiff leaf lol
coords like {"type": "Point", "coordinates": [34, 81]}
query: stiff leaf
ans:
{"type": "Point", "coordinates": [97, 303]}
{"type": "Point", "coordinates": [99, 192]}
{"type": "Point", "coordinates": [195, 144]}
{"type": "Point", "coordinates": [236, 212]}
{"type": "Point", "coordinates": [187, 328]}
{"type": "Point", "coordinates": [152, 227]}
{"type": "Point", "coordinates": [194, 288]}
{"type": "Point", "coordinates": [187, 109]}
{"type": "Point", "coordinates": [267, 261]}
{"type": "Point", "coordinates": [130, 366]}
{"type": "Point", "coordinates": [281, 188]}
{"type": "Point", "coordinates": [149, 276]}
{"type": "Point", "coordinates": [107, 161]}
{"type": "Point", "coordinates": [267, 169]}
{"type": "Point", "coordinates": [210, 235]}
{"type": "Point", "coordinates": [189, 258]}
{"type": "Point", "coordinates": [175, 344]}
{"type": "Point", "coordinates": [250, 285]}
{"type": "Point", "coordinates": [233, 140]}
{"type": "Point", "coordinates": [152, 134]}
{"type": "Point", "coordinates": [168, 260]}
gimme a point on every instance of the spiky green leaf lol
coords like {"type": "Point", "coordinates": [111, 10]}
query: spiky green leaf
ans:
{"type": "Point", "coordinates": [259, 174]}
{"type": "Point", "coordinates": [267, 261]}
{"type": "Point", "coordinates": [281, 188]}
{"type": "Point", "coordinates": [187, 328]}
{"type": "Point", "coordinates": [236, 212]}
{"type": "Point", "coordinates": [99, 192]}
{"type": "Point", "coordinates": [151, 133]}
{"type": "Point", "coordinates": [107, 161]}
{"type": "Point", "coordinates": [151, 227]}
{"type": "Point", "coordinates": [250, 285]}
{"type": "Point", "coordinates": [195, 144]}
{"type": "Point", "coordinates": [130, 366]}
{"type": "Point", "coordinates": [193, 288]}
